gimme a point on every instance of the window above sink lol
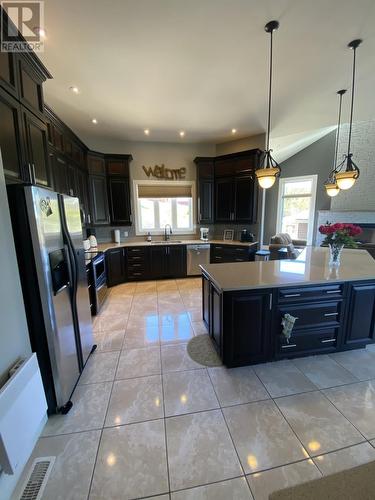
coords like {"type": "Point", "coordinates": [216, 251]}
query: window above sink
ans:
{"type": "Point", "coordinates": [159, 203]}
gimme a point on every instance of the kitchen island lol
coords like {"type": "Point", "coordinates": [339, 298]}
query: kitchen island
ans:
{"type": "Point", "coordinates": [244, 304]}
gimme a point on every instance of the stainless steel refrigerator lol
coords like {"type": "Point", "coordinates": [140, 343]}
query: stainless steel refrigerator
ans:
{"type": "Point", "coordinates": [48, 236]}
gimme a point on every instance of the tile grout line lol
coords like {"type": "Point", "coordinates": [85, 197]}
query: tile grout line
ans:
{"type": "Point", "coordinates": [230, 435]}
{"type": "Point", "coordinates": [321, 391]}
{"type": "Point", "coordinates": [164, 419]}
{"type": "Point", "coordinates": [105, 417]}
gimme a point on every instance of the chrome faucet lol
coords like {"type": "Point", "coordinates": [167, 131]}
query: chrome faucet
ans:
{"type": "Point", "coordinates": [167, 236]}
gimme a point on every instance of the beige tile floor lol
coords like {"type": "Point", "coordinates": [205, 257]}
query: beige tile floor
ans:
{"type": "Point", "coordinates": [149, 422]}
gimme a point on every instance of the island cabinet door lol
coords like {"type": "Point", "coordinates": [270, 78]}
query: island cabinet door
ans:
{"type": "Point", "coordinates": [360, 322]}
{"type": "Point", "coordinates": [206, 300]}
{"type": "Point", "coordinates": [216, 325]}
{"type": "Point", "coordinates": [247, 327]}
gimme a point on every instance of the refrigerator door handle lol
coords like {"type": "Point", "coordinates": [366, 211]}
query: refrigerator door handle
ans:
{"type": "Point", "coordinates": [68, 265]}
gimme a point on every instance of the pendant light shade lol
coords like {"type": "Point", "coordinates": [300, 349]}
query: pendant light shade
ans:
{"type": "Point", "coordinates": [346, 178]}
{"type": "Point", "coordinates": [332, 188]}
{"type": "Point", "coordinates": [269, 169]}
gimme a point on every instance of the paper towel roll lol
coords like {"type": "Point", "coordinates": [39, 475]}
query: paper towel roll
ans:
{"type": "Point", "coordinates": [116, 235]}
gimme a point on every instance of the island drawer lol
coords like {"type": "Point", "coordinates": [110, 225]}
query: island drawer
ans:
{"type": "Point", "coordinates": [323, 292]}
{"type": "Point", "coordinates": [312, 314]}
{"type": "Point", "coordinates": [306, 341]}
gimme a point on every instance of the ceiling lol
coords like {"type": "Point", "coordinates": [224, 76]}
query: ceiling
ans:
{"type": "Point", "coordinates": [201, 66]}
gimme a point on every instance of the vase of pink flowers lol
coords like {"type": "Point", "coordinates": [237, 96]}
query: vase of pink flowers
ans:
{"type": "Point", "coordinates": [336, 237]}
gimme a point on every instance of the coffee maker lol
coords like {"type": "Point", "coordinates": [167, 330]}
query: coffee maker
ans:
{"type": "Point", "coordinates": [204, 233]}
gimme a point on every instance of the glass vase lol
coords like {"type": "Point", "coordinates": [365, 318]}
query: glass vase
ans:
{"type": "Point", "coordinates": [335, 250]}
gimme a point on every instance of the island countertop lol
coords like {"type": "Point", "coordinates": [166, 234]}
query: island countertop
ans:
{"type": "Point", "coordinates": [311, 267]}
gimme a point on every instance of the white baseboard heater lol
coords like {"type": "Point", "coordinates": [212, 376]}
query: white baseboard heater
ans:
{"type": "Point", "coordinates": [23, 408]}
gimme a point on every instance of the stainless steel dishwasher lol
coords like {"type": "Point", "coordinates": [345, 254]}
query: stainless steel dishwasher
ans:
{"type": "Point", "coordinates": [195, 255]}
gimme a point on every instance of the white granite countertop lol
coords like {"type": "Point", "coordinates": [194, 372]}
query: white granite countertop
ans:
{"type": "Point", "coordinates": [311, 267]}
{"type": "Point", "coordinates": [133, 242]}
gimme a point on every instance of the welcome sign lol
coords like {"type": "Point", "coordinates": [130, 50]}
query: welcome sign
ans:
{"type": "Point", "coordinates": [160, 172]}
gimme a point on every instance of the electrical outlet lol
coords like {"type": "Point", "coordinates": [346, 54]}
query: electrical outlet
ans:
{"type": "Point", "coordinates": [126, 234]}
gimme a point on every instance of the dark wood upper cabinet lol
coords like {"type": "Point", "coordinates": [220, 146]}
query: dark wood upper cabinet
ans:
{"type": "Point", "coordinates": [11, 139]}
{"type": "Point", "coordinates": [245, 199]}
{"type": "Point", "coordinates": [205, 180]}
{"type": "Point", "coordinates": [224, 199]}
{"type": "Point", "coordinates": [59, 175]}
{"type": "Point", "coordinates": [30, 81]}
{"type": "Point", "coordinates": [119, 201]}
{"type": "Point", "coordinates": [117, 167]}
{"type": "Point", "coordinates": [96, 164]}
{"type": "Point", "coordinates": [99, 200]}
{"type": "Point", "coordinates": [7, 72]}
{"type": "Point", "coordinates": [37, 151]}
{"type": "Point", "coordinates": [361, 315]}
{"type": "Point", "coordinates": [227, 190]}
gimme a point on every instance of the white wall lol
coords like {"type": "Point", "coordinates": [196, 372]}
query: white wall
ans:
{"type": "Point", "coordinates": [362, 195]}
{"type": "Point", "coordinates": [172, 155]}
{"type": "Point", "coordinates": [14, 336]}
{"type": "Point", "coordinates": [252, 142]}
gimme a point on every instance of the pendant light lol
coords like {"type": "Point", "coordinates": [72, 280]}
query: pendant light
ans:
{"type": "Point", "coordinates": [346, 179]}
{"type": "Point", "coordinates": [331, 186]}
{"type": "Point", "coordinates": [270, 169]}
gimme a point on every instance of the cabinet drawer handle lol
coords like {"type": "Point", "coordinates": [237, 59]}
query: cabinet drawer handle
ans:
{"type": "Point", "coordinates": [292, 295]}
{"type": "Point", "coordinates": [330, 314]}
{"type": "Point", "coordinates": [327, 340]}
{"type": "Point", "coordinates": [239, 260]}
{"type": "Point", "coordinates": [217, 257]}
{"type": "Point", "coordinates": [137, 274]}
{"type": "Point", "coordinates": [288, 346]}
{"type": "Point", "coordinates": [332, 291]}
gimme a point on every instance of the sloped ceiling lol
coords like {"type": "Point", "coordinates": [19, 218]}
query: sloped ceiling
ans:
{"type": "Point", "coordinates": [201, 66]}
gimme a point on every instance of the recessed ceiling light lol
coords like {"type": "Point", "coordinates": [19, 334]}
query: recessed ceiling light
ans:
{"type": "Point", "coordinates": [41, 32]}
{"type": "Point", "coordinates": [234, 130]}
{"type": "Point", "coordinates": [94, 121]}
{"type": "Point", "coordinates": [74, 89]}
{"type": "Point", "coordinates": [146, 131]}
{"type": "Point", "coordinates": [182, 133]}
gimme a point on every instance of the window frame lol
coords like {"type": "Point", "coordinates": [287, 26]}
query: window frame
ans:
{"type": "Point", "coordinates": [157, 232]}
{"type": "Point", "coordinates": [311, 222]}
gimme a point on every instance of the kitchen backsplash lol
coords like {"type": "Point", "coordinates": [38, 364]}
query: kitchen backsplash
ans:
{"type": "Point", "coordinates": [216, 231]}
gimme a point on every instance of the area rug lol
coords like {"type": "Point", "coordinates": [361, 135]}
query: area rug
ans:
{"type": "Point", "coordinates": [201, 350]}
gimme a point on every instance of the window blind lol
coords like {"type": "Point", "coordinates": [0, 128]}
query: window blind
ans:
{"type": "Point", "coordinates": [163, 191]}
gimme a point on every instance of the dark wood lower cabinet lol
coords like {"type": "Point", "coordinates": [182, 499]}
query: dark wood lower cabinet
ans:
{"type": "Point", "coordinates": [245, 326]}
{"type": "Point", "coordinates": [116, 266]}
{"type": "Point", "coordinates": [206, 300]}
{"type": "Point", "coordinates": [360, 321]}
{"type": "Point", "coordinates": [168, 261]}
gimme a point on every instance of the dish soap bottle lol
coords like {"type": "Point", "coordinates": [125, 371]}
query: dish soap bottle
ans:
{"type": "Point", "coordinates": [149, 236]}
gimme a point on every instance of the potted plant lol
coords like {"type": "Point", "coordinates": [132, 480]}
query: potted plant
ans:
{"type": "Point", "coordinates": [336, 237]}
